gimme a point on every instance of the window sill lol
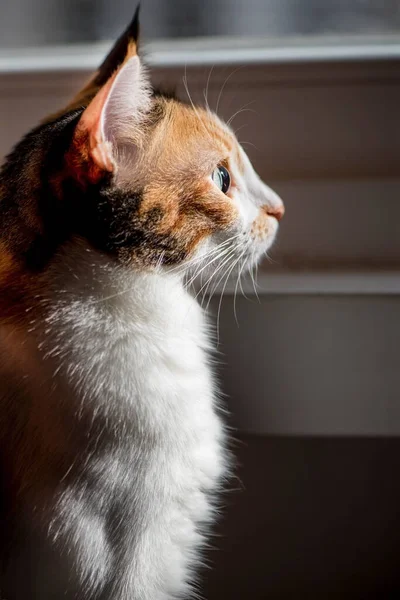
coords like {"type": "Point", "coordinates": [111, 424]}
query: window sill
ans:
{"type": "Point", "coordinates": [317, 283]}
{"type": "Point", "coordinates": [206, 52]}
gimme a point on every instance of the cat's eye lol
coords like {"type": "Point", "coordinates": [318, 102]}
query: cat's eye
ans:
{"type": "Point", "coordinates": [221, 178]}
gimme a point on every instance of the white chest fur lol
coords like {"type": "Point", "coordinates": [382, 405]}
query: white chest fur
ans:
{"type": "Point", "coordinates": [122, 357]}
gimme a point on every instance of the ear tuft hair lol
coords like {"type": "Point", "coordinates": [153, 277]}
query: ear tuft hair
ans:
{"type": "Point", "coordinates": [125, 47]}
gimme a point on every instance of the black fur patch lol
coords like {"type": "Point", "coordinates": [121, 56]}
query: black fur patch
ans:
{"type": "Point", "coordinates": [114, 224]}
{"type": "Point", "coordinates": [31, 217]}
{"type": "Point", "coordinates": [36, 186]}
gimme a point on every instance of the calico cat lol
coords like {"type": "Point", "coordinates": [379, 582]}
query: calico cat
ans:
{"type": "Point", "coordinates": [111, 445]}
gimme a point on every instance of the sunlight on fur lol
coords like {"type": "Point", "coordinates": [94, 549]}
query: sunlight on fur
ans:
{"type": "Point", "coordinates": [112, 447]}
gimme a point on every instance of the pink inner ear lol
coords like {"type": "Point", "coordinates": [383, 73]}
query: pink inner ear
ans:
{"type": "Point", "coordinates": [118, 105]}
{"type": "Point", "coordinates": [91, 124]}
{"type": "Point", "coordinates": [127, 100]}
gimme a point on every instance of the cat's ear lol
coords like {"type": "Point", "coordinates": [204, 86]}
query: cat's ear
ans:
{"type": "Point", "coordinates": [124, 48]}
{"type": "Point", "coordinates": [117, 109]}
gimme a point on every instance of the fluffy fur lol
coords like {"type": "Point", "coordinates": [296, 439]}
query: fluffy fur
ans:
{"type": "Point", "coordinates": [121, 445]}
{"type": "Point", "coordinates": [111, 445]}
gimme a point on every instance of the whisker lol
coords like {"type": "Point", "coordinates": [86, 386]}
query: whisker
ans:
{"type": "Point", "coordinates": [240, 270]}
{"type": "Point", "coordinates": [205, 92]}
{"type": "Point", "coordinates": [224, 84]}
{"type": "Point", "coordinates": [219, 280]}
{"type": "Point", "coordinates": [222, 250]}
{"type": "Point", "coordinates": [197, 273]}
{"type": "Point", "coordinates": [227, 258]}
{"type": "Point", "coordinates": [208, 254]}
{"type": "Point", "coordinates": [160, 260]}
{"type": "Point", "coordinates": [256, 273]}
{"type": "Point", "coordinates": [222, 294]}
{"type": "Point", "coordinates": [241, 110]}
{"type": "Point", "coordinates": [206, 289]}
{"type": "Point", "coordinates": [254, 285]}
{"type": "Point", "coordinates": [185, 84]}
{"type": "Point", "coordinates": [157, 267]}
{"type": "Point", "coordinates": [236, 131]}
{"type": "Point", "coordinates": [185, 265]}
{"type": "Point", "coordinates": [215, 287]}
{"type": "Point", "coordinates": [197, 261]}
{"type": "Point", "coordinates": [241, 288]}
{"type": "Point", "coordinates": [271, 260]}
{"type": "Point", "coordinates": [249, 144]}
{"type": "Point", "coordinates": [208, 281]}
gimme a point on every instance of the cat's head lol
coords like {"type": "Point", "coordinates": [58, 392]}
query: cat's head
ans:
{"type": "Point", "coordinates": [151, 180]}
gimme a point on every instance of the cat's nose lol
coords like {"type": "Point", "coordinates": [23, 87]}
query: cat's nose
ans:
{"type": "Point", "coordinates": [275, 211]}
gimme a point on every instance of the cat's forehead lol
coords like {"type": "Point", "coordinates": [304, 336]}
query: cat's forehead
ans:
{"type": "Point", "coordinates": [195, 132]}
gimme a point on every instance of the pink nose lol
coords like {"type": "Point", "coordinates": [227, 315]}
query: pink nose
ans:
{"type": "Point", "coordinates": [276, 211]}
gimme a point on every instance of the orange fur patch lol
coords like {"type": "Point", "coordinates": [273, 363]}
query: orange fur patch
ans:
{"type": "Point", "coordinates": [175, 174]}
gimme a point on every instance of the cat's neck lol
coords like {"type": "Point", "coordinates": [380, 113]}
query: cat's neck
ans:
{"type": "Point", "coordinates": [108, 334]}
{"type": "Point", "coordinates": [84, 278]}
{"type": "Point", "coordinates": [87, 301]}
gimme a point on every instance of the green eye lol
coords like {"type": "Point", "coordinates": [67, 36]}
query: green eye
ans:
{"type": "Point", "coordinates": [221, 178]}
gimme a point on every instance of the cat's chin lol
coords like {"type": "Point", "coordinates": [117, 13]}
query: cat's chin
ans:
{"type": "Point", "coordinates": [262, 245]}
{"type": "Point", "coordinates": [213, 264]}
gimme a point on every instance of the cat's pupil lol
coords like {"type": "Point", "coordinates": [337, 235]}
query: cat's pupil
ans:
{"type": "Point", "coordinates": [221, 178]}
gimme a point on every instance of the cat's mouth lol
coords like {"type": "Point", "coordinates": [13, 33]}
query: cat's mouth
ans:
{"type": "Point", "coordinates": [265, 227]}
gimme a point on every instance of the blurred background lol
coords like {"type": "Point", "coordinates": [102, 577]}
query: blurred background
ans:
{"type": "Point", "coordinates": [33, 22]}
{"type": "Point", "coordinates": [311, 370]}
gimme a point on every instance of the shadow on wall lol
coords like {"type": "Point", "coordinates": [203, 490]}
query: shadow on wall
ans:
{"type": "Point", "coordinates": [312, 519]}
{"type": "Point", "coordinates": [312, 365]}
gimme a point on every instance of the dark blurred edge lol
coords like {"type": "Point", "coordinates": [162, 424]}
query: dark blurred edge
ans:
{"type": "Point", "coordinates": [309, 519]}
